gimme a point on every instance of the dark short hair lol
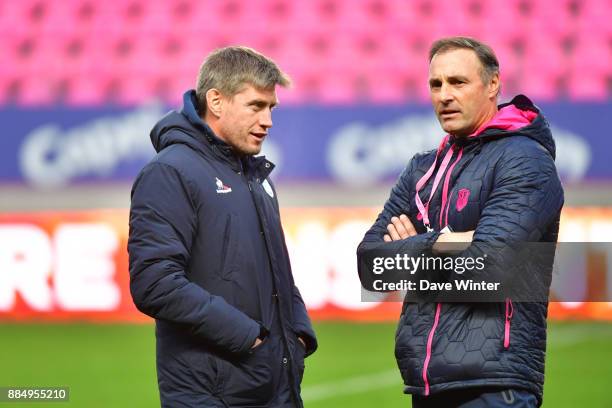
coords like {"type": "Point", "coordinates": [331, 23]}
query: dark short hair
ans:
{"type": "Point", "coordinates": [485, 54]}
{"type": "Point", "coordinates": [229, 69]}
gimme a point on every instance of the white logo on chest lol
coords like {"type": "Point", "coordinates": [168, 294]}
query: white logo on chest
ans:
{"type": "Point", "coordinates": [268, 188]}
{"type": "Point", "coordinates": [222, 188]}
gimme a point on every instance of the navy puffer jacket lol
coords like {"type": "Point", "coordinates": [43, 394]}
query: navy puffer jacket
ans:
{"type": "Point", "coordinates": [504, 185]}
{"type": "Point", "coordinates": [208, 261]}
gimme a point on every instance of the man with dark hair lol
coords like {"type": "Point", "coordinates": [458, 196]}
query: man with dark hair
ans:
{"type": "Point", "coordinates": [207, 252]}
{"type": "Point", "coordinates": [492, 180]}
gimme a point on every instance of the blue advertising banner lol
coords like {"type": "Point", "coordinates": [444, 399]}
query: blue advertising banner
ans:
{"type": "Point", "coordinates": [359, 145]}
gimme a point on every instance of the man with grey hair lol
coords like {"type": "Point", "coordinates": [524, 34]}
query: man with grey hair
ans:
{"type": "Point", "coordinates": [492, 180]}
{"type": "Point", "coordinates": [207, 253]}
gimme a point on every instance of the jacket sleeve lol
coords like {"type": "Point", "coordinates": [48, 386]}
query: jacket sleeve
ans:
{"type": "Point", "coordinates": [399, 202]}
{"type": "Point", "coordinates": [163, 224]}
{"type": "Point", "coordinates": [520, 215]}
{"type": "Point", "coordinates": [301, 323]}
{"type": "Point", "coordinates": [526, 198]}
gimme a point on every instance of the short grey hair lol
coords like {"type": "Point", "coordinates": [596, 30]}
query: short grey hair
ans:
{"type": "Point", "coordinates": [485, 54]}
{"type": "Point", "coordinates": [229, 69]}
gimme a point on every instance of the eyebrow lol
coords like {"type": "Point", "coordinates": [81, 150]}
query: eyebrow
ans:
{"type": "Point", "coordinates": [451, 78]}
{"type": "Point", "coordinates": [262, 103]}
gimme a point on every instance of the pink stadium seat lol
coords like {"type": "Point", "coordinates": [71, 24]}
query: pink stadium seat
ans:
{"type": "Point", "coordinates": [156, 20]}
{"type": "Point", "coordinates": [590, 68]}
{"type": "Point", "coordinates": [135, 90]}
{"type": "Point", "coordinates": [341, 89]}
{"type": "Point", "coordinates": [119, 18]}
{"type": "Point", "coordinates": [65, 18]}
{"type": "Point", "coordinates": [15, 17]}
{"type": "Point", "coordinates": [37, 90]}
{"type": "Point", "coordinates": [389, 87]}
{"type": "Point", "coordinates": [364, 16]}
{"type": "Point", "coordinates": [539, 87]}
{"type": "Point", "coordinates": [278, 16]}
{"type": "Point", "coordinates": [464, 17]}
{"type": "Point", "coordinates": [595, 18]}
{"type": "Point", "coordinates": [587, 88]}
{"type": "Point", "coordinates": [306, 85]}
{"type": "Point", "coordinates": [545, 61]}
{"type": "Point", "coordinates": [9, 76]}
{"type": "Point", "coordinates": [193, 17]}
{"type": "Point", "coordinates": [509, 61]}
{"type": "Point", "coordinates": [592, 55]}
{"type": "Point", "coordinates": [222, 17]}
{"type": "Point", "coordinates": [319, 15]}
{"type": "Point", "coordinates": [503, 19]}
{"type": "Point", "coordinates": [86, 90]}
{"type": "Point", "coordinates": [556, 18]}
{"type": "Point", "coordinates": [406, 22]}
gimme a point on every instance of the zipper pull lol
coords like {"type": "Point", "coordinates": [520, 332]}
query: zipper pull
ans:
{"type": "Point", "coordinates": [509, 313]}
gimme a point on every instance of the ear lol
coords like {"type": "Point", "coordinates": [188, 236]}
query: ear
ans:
{"type": "Point", "coordinates": [494, 85]}
{"type": "Point", "coordinates": [214, 102]}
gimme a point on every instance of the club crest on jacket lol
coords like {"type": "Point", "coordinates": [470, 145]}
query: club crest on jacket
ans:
{"type": "Point", "coordinates": [462, 198]}
{"type": "Point", "coordinates": [222, 188]}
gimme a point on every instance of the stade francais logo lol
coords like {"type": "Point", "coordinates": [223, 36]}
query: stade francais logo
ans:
{"type": "Point", "coordinates": [363, 154]}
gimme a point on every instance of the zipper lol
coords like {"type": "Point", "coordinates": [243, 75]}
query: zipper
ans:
{"type": "Point", "coordinates": [277, 305]}
{"type": "Point", "coordinates": [508, 316]}
{"type": "Point", "coordinates": [429, 344]}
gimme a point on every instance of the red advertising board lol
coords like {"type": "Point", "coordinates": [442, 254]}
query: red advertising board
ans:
{"type": "Point", "coordinates": [73, 265]}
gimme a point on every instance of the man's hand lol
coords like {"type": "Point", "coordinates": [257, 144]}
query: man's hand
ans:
{"type": "Point", "coordinates": [451, 242]}
{"type": "Point", "coordinates": [258, 341]}
{"type": "Point", "coordinates": [400, 228]}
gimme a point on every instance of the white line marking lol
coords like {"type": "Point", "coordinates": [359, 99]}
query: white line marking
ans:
{"type": "Point", "coordinates": [352, 385]}
{"type": "Point", "coordinates": [358, 384]}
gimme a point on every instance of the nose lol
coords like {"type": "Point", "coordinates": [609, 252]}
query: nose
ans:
{"type": "Point", "coordinates": [265, 118]}
{"type": "Point", "coordinates": [446, 94]}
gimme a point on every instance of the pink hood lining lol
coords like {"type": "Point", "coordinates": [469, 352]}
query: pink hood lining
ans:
{"type": "Point", "coordinates": [508, 118]}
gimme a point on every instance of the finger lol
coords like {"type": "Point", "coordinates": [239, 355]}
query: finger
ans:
{"type": "Point", "coordinates": [408, 225]}
{"type": "Point", "coordinates": [393, 232]}
{"type": "Point", "coordinates": [387, 238]}
{"type": "Point", "coordinates": [399, 227]}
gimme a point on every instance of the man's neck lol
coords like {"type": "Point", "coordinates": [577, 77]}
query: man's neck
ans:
{"type": "Point", "coordinates": [486, 119]}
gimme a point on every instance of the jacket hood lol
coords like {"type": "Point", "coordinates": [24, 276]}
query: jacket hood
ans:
{"type": "Point", "coordinates": [518, 117]}
{"type": "Point", "coordinates": [184, 127]}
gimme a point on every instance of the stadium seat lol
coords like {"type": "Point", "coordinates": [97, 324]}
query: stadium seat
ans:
{"type": "Point", "coordinates": [86, 91]}
{"type": "Point", "coordinates": [556, 19]}
{"type": "Point", "coordinates": [37, 91]}
{"type": "Point", "coordinates": [544, 66]}
{"type": "Point", "coordinates": [590, 68]}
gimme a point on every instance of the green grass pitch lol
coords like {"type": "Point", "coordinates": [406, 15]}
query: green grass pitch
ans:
{"type": "Point", "coordinates": [114, 365]}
